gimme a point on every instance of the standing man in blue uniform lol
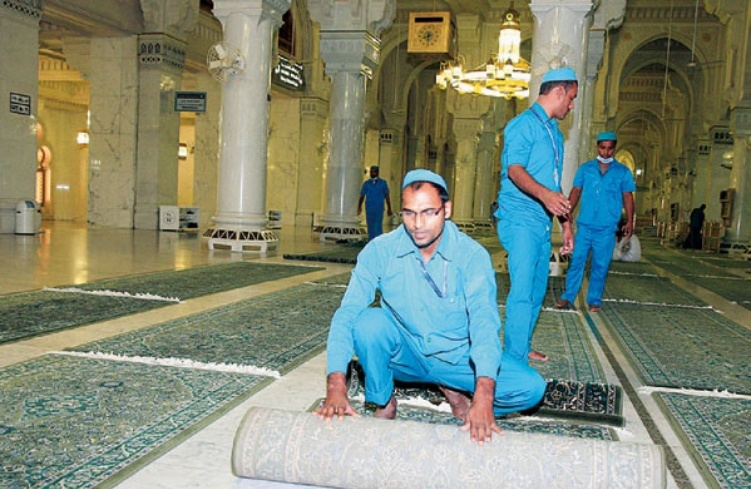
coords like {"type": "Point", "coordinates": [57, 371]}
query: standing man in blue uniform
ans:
{"type": "Point", "coordinates": [530, 195]}
{"type": "Point", "coordinates": [374, 192]}
{"type": "Point", "coordinates": [437, 323]}
{"type": "Point", "coordinates": [604, 186]}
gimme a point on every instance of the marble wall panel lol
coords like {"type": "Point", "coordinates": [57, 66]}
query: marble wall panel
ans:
{"type": "Point", "coordinates": [283, 157]}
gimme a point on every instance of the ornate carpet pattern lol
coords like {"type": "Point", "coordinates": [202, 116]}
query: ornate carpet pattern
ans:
{"type": "Point", "coordinates": [631, 268]}
{"type": "Point", "coordinates": [648, 290]}
{"type": "Point", "coordinates": [563, 337]}
{"type": "Point", "coordinates": [684, 265]}
{"type": "Point", "coordinates": [75, 423]}
{"type": "Point", "coordinates": [717, 429]}
{"type": "Point", "coordinates": [277, 331]}
{"type": "Point", "coordinates": [509, 423]}
{"type": "Point", "coordinates": [34, 313]}
{"type": "Point", "coordinates": [691, 348]}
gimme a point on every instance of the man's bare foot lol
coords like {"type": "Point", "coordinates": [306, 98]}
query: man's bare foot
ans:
{"type": "Point", "coordinates": [388, 411]}
{"type": "Point", "coordinates": [459, 402]}
{"type": "Point", "coordinates": [537, 356]}
{"type": "Point", "coordinates": [563, 304]}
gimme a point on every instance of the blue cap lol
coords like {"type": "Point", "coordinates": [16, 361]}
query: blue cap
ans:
{"type": "Point", "coordinates": [423, 175]}
{"type": "Point", "coordinates": [559, 74]}
{"type": "Point", "coordinates": [606, 136]}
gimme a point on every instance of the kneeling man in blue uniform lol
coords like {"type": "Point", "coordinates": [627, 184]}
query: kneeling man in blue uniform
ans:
{"type": "Point", "coordinates": [437, 323]}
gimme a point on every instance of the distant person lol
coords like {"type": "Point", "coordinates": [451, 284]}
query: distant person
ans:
{"type": "Point", "coordinates": [437, 323]}
{"type": "Point", "coordinates": [530, 195]}
{"type": "Point", "coordinates": [605, 187]}
{"type": "Point", "coordinates": [695, 225]}
{"type": "Point", "coordinates": [626, 249]}
{"type": "Point", "coordinates": [374, 191]}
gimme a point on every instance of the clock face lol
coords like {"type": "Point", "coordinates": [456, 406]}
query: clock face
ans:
{"type": "Point", "coordinates": [428, 35]}
{"type": "Point", "coordinates": [170, 217]}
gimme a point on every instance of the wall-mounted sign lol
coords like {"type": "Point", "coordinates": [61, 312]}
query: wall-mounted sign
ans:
{"type": "Point", "coordinates": [20, 104]}
{"type": "Point", "coordinates": [288, 74]}
{"type": "Point", "coordinates": [190, 101]}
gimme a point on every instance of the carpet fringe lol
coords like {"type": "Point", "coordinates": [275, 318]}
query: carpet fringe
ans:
{"type": "Point", "coordinates": [662, 304]}
{"type": "Point", "coordinates": [113, 293]}
{"type": "Point", "coordinates": [176, 362]}
{"type": "Point", "coordinates": [326, 284]}
{"type": "Point", "coordinates": [616, 272]}
{"type": "Point", "coordinates": [693, 392]}
{"type": "Point", "coordinates": [547, 309]}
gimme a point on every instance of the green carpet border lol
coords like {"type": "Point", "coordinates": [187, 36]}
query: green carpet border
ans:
{"type": "Point", "coordinates": [143, 454]}
{"type": "Point", "coordinates": [705, 470]}
{"type": "Point", "coordinates": [140, 305]}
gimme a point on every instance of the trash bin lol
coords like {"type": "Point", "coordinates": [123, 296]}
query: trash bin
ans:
{"type": "Point", "coordinates": [27, 217]}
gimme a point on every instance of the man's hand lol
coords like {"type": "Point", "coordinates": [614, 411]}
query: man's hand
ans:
{"type": "Point", "coordinates": [556, 203]}
{"type": "Point", "coordinates": [628, 230]}
{"type": "Point", "coordinates": [336, 403]}
{"type": "Point", "coordinates": [480, 418]}
{"type": "Point", "coordinates": [568, 239]}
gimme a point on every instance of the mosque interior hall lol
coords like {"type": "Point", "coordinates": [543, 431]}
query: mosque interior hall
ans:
{"type": "Point", "coordinates": [179, 185]}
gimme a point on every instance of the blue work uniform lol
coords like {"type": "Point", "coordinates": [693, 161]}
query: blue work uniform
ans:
{"type": "Point", "coordinates": [599, 213]}
{"type": "Point", "coordinates": [438, 321]}
{"type": "Point", "coordinates": [375, 191]}
{"type": "Point", "coordinates": [532, 140]}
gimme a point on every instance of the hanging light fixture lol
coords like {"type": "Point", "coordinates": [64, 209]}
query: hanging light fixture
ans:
{"type": "Point", "coordinates": [505, 75]}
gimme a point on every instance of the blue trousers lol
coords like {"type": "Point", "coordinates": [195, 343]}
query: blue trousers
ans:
{"type": "Point", "coordinates": [374, 220]}
{"type": "Point", "coordinates": [387, 353]}
{"type": "Point", "coordinates": [600, 242]}
{"type": "Point", "coordinates": [528, 248]}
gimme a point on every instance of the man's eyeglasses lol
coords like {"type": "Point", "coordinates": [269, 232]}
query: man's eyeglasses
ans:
{"type": "Point", "coordinates": [425, 213]}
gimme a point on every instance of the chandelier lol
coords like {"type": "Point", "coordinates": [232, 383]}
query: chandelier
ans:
{"type": "Point", "coordinates": [505, 75]}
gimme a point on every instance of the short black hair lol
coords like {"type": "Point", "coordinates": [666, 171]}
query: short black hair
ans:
{"type": "Point", "coordinates": [566, 84]}
{"type": "Point", "coordinates": [442, 192]}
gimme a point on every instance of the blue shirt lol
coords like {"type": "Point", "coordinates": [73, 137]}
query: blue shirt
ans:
{"type": "Point", "coordinates": [375, 192]}
{"type": "Point", "coordinates": [602, 193]}
{"type": "Point", "coordinates": [532, 140]}
{"type": "Point", "coordinates": [466, 317]}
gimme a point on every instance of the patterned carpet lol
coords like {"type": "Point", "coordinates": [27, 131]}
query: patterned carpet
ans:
{"type": "Point", "coordinates": [718, 429]}
{"type": "Point", "coordinates": [35, 313]}
{"type": "Point", "coordinates": [343, 253]}
{"type": "Point", "coordinates": [676, 347]}
{"type": "Point", "coordinates": [277, 331]}
{"type": "Point", "coordinates": [648, 290]}
{"type": "Point", "coordinates": [556, 287]}
{"type": "Point", "coordinates": [76, 423]}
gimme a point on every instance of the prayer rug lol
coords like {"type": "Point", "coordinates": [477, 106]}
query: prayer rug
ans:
{"type": "Point", "coordinates": [647, 290]}
{"type": "Point", "coordinates": [717, 429]}
{"type": "Point", "coordinates": [30, 314]}
{"type": "Point", "coordinates": [276, 331]}
{"type": "Point", "coordinates": [586, 402]}
{"type": "Point", "coordinates": [344, 253]}
{"type": "Point", "coordinates": [735, 290]}
{"type": "Point", "coordinates": [78, 423]}
{"type": "Point", "coordinates": [679, 347]}
{"type": "Point", "coordinates": [683, 265]}
{"type": "Point", "coordinates": [524, 424]}
{"type": "Point", "coordinates": [556, 287]}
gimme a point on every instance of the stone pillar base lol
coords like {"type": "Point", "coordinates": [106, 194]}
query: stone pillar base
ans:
{"type": "Point", "coordinates": [241, 240]}
{"type": "Point", "coordinates": [340, 232]}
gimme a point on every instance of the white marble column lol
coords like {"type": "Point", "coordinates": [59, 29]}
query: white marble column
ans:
{"type": "Point", "coordinates": [484, 183]}
{"type": "Point", "coordinates": [740, 177]}
{"type": "Point", "coordinates": [350, 48]}
{"type": "Point", "coordinates": [249, 25]}
{"type": "Point", "coordinates": [560, 38]}
{"type": "Point", "coordinates": [467, 133]}
{"type": "Point", "coordinates": [19, 74]}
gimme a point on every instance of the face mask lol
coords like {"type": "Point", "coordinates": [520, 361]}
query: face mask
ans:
{"type": "Point", "coordinates": [605, 161]}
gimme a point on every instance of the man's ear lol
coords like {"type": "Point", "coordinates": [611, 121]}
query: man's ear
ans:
{"type": "Point", "coordinates": [449, 206]}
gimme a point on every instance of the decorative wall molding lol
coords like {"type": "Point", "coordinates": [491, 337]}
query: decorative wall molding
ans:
{"type": "Point", "coordinates": [27, 8]}
{"type": "Point", "coordinates": [160, 51]}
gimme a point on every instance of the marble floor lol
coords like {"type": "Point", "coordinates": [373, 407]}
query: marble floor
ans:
{"type": "Point", "coordinates": [66, 253]}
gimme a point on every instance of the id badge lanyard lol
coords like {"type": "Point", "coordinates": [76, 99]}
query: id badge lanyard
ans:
{"type": "Point", "coordinates": [555, 147]}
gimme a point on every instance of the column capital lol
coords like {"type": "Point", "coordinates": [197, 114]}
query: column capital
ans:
{"type": "Point", "coordinates": [272, 9]}
{"type": "Point", "coordinates": [30, 9]}
{"type": "Point", "coordinates": [539, 7]}
{"type": "Point", "coordinates": [353, 15]}
{"type": "Point", "coordinates": [161, 51]}
{"type": "Point", "coordinates": [176, 17]}
{"type": "Point", "coordinates": [350, 51]}
{"type": "Point", "coordinates": [740, 122]}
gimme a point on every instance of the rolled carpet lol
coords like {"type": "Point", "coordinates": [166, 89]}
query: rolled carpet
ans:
{"type": "Point", "coordinates": [359, 453]}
